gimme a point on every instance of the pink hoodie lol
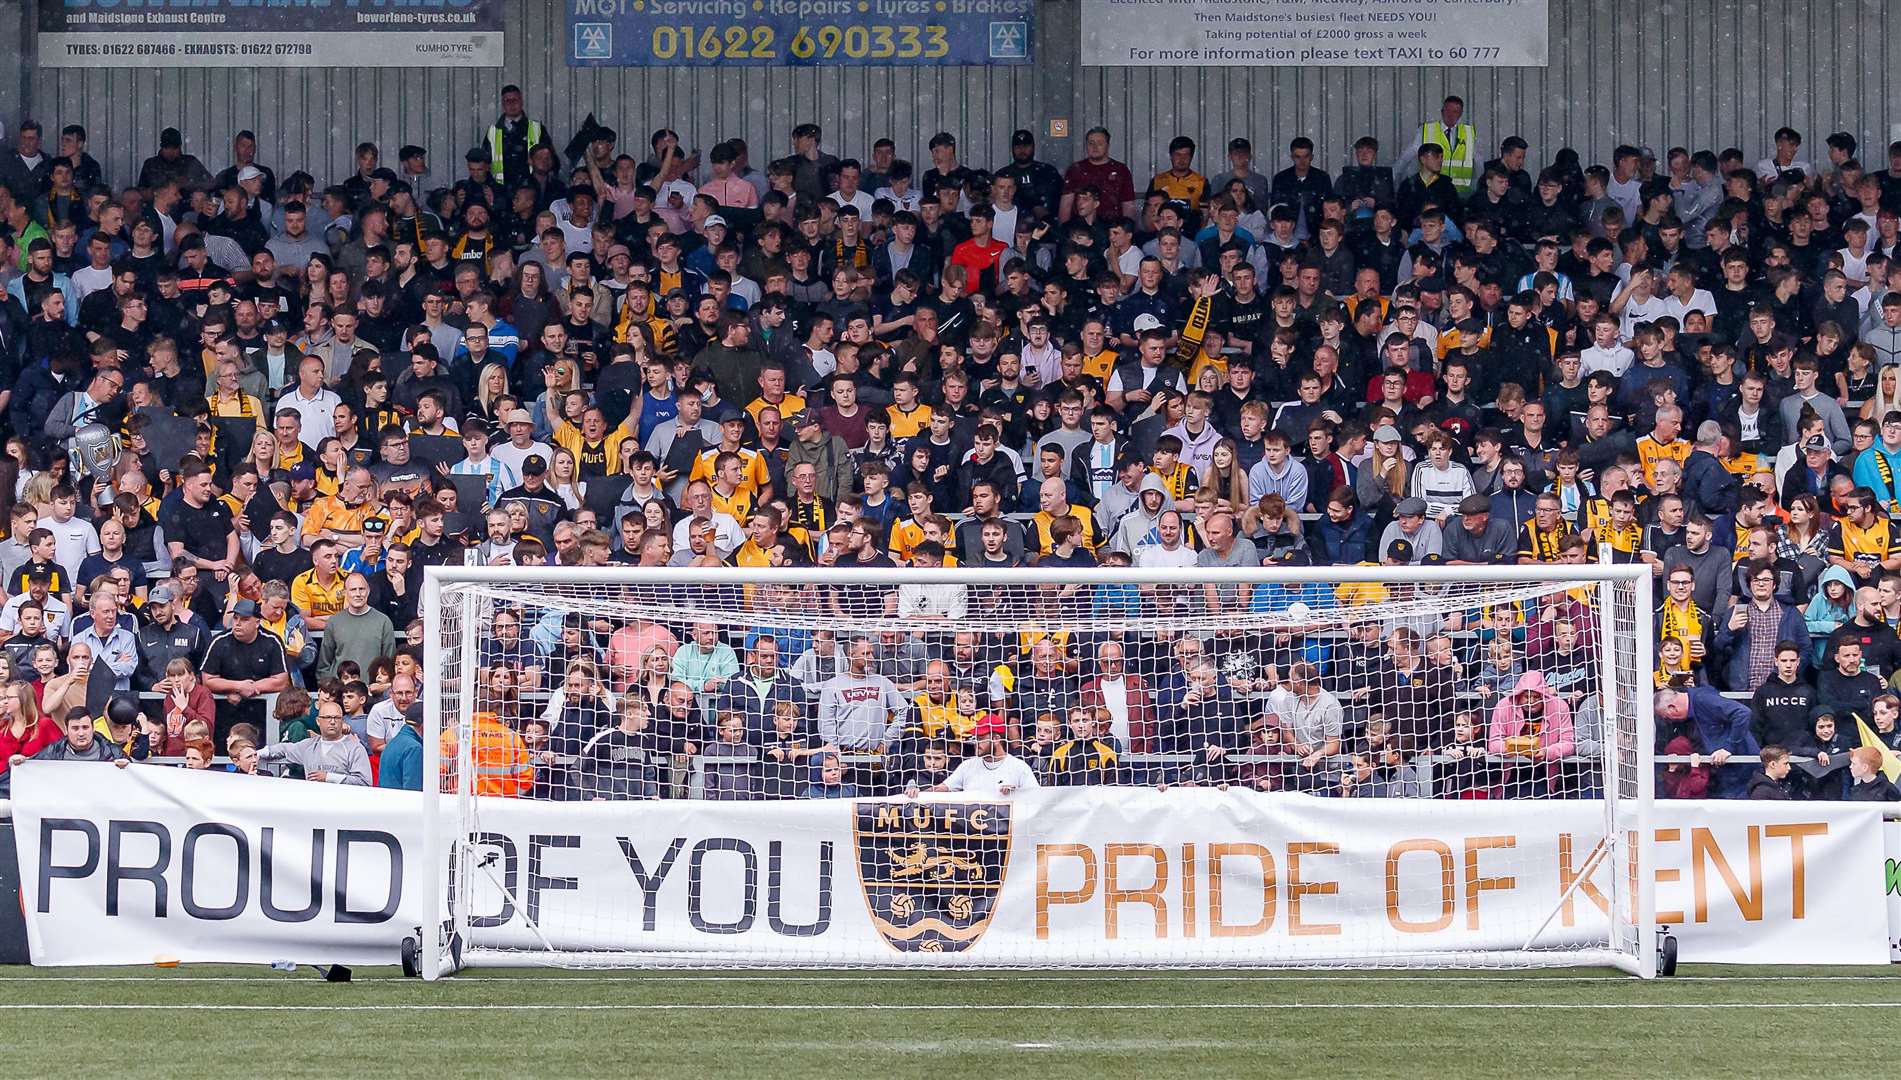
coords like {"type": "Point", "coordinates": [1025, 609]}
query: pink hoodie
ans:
{"type": "Point", "coordinates": [1554, 742]}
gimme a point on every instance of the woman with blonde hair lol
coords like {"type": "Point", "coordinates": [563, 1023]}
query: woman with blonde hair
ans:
{"type": "Point", "coordinates": [1887, 395]}
{"type": "Point", "coordinates": [23, 729]}
{"type": "Point", "coordinates": [38, 492]}
{"type": "Point", "coordinates": [564, 477]}
{"type": "Point", "coordinates": [1225, 476]}
{"type": "Point", "coordinates": [561, 378]}
{"type": "Point", "coordinates": [1383, 476]}
{"type": "Point", "coordinates": [490, 385]}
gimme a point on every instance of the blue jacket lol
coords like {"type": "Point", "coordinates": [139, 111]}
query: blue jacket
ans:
{"type": "Point", "coordinates": [1344, 545]}
{"type": "Point", "coordinates": [1734, 644]}
{"type": "Point", "coordinates": [1722, 724]}
{"type": "Point", "coordinates": [401, 766]}
{"type": "Point", "coordinates": [17, 290]}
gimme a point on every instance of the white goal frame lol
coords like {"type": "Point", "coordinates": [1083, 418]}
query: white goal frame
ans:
{"type": "Point", "coordinates": [1628, 807]}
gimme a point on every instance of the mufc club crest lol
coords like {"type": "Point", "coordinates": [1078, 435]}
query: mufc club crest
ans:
{"type": "Point", "coordinates": [932, 871]}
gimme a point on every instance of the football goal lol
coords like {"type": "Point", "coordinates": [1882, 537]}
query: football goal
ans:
{"type": "Point", "coordinates": [1284, 766]}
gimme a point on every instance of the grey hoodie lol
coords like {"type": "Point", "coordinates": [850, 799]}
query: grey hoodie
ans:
{"type": "Point", "coordinates": [1133, 529]}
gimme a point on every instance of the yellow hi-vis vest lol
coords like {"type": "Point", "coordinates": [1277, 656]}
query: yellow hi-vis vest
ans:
{"type": "Point", "coordinates": [499, 171]}
{"type": "Point", "coordinates": [1459, 147]}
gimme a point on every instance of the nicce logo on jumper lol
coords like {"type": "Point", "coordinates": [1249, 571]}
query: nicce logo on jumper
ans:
{"type": "Point", "coordinates": [932, 871]}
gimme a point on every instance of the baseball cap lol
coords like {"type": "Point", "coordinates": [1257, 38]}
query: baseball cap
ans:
{"type": "Point", "coordinates": [1147, 322]}
{"type": "Point", "coordinates": [1022, 137]}
{"type": "Point", "coordinates": [170, 137]}
{"type": "Point", "coordinates": [250, 172]}
{"type": "Point", "coordinates": [162, 594]}
{"type": "Point", "coordinates": [1816, 442]}
{"type": "Point", "coordinates": [715, 219]}
{"type": "Point", "coordinates": [1386, 434]}
{"type": "Point", "coordinates": [303, 470]}
{"type": "Point", "coordinates": [1475, 504]}
{"type": "Point", "coordinates": [534, 465]}
{"type": "Point", "coordinates": [990, 724]}
{"type": "Point", "coordinates": [244, 609]}
{"type": "Point", "coordinates": [1410, 507]}
{"type": "Point", "coordinates": [1400, 551]}
{"type": "Point", "coordinates": [619, 249]}
{"type": "Point", "coordinates": [517, 416]}
{"type": "Point", "coordinates": [806, 418]}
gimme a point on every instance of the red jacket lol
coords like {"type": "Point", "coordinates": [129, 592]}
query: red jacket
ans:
{"type": "Point", "coordinates": [42, 734]}
{"type": "Point", "coordinates": [980, 261]}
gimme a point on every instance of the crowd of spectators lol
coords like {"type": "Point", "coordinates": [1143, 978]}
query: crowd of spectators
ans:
{"type": "Point", "coordinates": [650, 357]}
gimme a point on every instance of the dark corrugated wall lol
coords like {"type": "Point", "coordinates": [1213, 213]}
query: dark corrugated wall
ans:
{"type": "Point", "coordinates": [1693, 72]}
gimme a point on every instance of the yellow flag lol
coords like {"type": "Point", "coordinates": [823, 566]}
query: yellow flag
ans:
{"type": "Point", "coordinates": [1890, 761]}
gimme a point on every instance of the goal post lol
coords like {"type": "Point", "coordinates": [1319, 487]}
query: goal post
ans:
{"type": "Point", "coordinates": [699, 767]}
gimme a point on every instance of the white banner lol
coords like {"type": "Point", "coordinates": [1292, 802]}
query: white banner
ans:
{"type": "Point", "coordinates": [1316, 33]}
{"type": "Point", "coordinates": [128, 866]}
{"type": "Point", "coordinates": [1891, 875]}
{"type": "Point", "coordinates": [251, 34]}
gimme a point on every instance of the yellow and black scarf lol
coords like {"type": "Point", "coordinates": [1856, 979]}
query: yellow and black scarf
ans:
{"type": "Point", "coordinates": [1685, 624]}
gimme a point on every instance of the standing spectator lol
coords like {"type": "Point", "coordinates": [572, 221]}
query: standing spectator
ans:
{"type": "Point", "coordinates": [358, 634]}
{"type": "Point", "coordinates": [241, 666]}
{"type": "Point", "coordinates": [400, 767]}
{"type": "Point", "coordinates": [335, 756]}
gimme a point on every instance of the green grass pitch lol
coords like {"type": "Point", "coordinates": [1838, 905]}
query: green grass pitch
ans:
{"type": "Point", "coordinates": [230, 1021]}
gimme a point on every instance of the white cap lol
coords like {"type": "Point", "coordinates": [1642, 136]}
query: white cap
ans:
{"type": "Point", "coordinates": [1147, 322]}
{"type": "Point", "coordinates": [715, 219]}
{"type": "Point", "coordinates": [249, 172]}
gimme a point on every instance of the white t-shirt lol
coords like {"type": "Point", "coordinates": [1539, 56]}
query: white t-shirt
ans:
{"type": "Point", "coordinates": [54, 608]}
{"type": "Point", "coordinates": [1642, 311]}
{"type": "Point", "coordinates": [907, 201]}
{"type": "Point", "coordinates": [74, 539]}
{"type": "Point", "coordinates": [1152, 555]}
{"type": "Point", "coordinates": [319, 413]}
{"type": "Point", "coordinates": [88, 280]}
{"type": "Point", "coordinates": [1615, 360]}
{"type": "Point", "coordinates": [1700, 300]}
{"type": "Point", "coordinates": [979, 777]}
{"type": "Point", "coordinates": [1115, 698]}
{"type": "Point", "coordinates": [858, 199]}
{"type": "Point", "coordinates": [384, 720]}
{"type": "Point", "coordinates": [512, 456]}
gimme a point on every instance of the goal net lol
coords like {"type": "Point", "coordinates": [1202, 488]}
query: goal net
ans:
{"type": "Point", "coordinates": [1295, 766]}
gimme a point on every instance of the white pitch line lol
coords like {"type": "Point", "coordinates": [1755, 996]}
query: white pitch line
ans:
{"type": "Point", "coordinates": [939, 977]}
{"type": "Point", "coordinates": [1245, 1006]}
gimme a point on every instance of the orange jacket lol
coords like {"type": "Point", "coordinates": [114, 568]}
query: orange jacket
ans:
{"type": "Point", "coordinates": [502, 765]}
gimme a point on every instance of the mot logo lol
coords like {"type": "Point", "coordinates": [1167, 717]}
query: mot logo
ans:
{"type": "Point", "coordinates": [932, 872]}
{"type": "Point", "coordinates": [1009, 41]}
{"type": "Point", "coordinates": [593, 41]}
